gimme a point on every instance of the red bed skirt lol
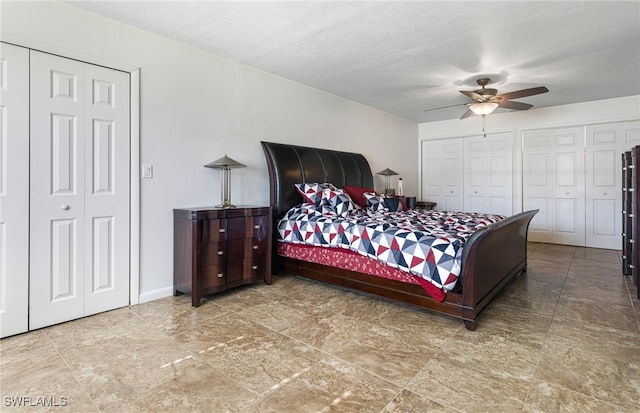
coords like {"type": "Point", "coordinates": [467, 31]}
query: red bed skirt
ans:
{"type": "Point", "coordinates": [352, 261]}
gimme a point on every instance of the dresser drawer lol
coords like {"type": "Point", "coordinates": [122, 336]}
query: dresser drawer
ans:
{"type": "Point", "coordinates": [255, 267]}
{"type": "Point", "coordinates": [254, 246]}
{"type": "Point", "coordinates": [212, 230]}
{"type": "Point", "coordinates": [212, 276]}
{"type": "Point", "coordinates": [212, 253]}
{"type": "Point", "coordinates": [258, 226]}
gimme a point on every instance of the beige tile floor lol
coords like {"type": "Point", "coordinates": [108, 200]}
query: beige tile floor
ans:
{"type": "Point", "coordinates": [565, 337]}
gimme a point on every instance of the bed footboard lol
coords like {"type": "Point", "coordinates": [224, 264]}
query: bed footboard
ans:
{"type": "Point", "coordinates": [492, 257]}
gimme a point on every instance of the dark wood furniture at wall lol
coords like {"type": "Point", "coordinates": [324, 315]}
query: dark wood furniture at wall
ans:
{"type": "Point", "coordinates": [425, 205]}
{"type": "Point", "coordinates": [492, 256]}
{"type": "Point", "coordinates": [627, 216]}
{"type": "Point", "coordinates": [630, 211]}
{"type": "Point", "coordinates": [216, 249]}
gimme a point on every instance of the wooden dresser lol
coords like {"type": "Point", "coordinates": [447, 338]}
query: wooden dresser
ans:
{"type": "Point", "coordinates": [215, 249]}
{"type": "Point", "coordinates": [630, 216]}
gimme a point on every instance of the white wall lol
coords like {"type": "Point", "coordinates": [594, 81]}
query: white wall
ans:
{"type": "Point", "coordinates": [196, 107]}
{"type": "Point", "coordinates": [587, 113]}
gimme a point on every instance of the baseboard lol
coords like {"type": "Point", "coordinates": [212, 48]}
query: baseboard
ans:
{"type": "Point", "coordinates": [155, 294]}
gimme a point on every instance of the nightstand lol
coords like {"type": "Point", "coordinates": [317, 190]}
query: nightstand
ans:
{"type": "Point", "coordinates": [425, 205]}
{"type": "Point", "coordinates": [215, 249]}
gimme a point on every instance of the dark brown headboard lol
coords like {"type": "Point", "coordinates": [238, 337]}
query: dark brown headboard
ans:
{"type": "Point", "coordinates": [291, 164]}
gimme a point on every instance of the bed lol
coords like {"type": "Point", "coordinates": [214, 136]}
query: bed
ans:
{"type": "Point", "coordinates": [492, 256]}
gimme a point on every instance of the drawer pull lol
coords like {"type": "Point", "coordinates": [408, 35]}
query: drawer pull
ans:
{"type": "Point", "coordinates": [220, 275]}
{"type": "Point", "coordinates": [630, 190]}
{"type": "Point", "coordinates": [631, 241]}
{"type": "Point", "coordinates": [221, 230]}
{"type": "Point", "coordinates": [631, 266]}
{"type": "Point", "coordinates": [255, 247]}
{"type": "Point", "coordinates": [220, 252]}
{"type": "Point", "coordinates": [256, 226]}
{"type": "Point", "coordinates": [631, 166]}
{"type": "Point", "coordinates": [630, 215]}
{"type": "Point", "coordinates": [255, 267]}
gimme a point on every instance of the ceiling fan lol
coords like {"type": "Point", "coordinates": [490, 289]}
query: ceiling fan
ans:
{"type": "Point", "coordinates": [486, 100]}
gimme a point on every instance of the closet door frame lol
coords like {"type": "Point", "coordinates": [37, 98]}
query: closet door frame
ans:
{"type": "Point", "coordinates": [134, 134]}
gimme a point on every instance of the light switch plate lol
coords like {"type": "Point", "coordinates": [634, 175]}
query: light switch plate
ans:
{"type": "Point", "coordinates": [147, 171]}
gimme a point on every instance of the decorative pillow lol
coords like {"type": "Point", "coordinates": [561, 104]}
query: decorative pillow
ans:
{"type": "Point", "coordinates": [375, 202]}
{"type": "Point", "coordinates": [357, 194]}
{"type": "Point", "coordinates": [393, 204]}
{"type": "Point", "coordinates": [338, 200]}
{"type": "Point", "coordinates": [312, 191]}
{"type": "Point", "coordinates": [379, 202]}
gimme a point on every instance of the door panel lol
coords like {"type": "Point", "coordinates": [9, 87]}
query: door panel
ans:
{"type": "Point", "coordinates": [553, 181]}
{"type": "Point", "coordinates": [56, 188]}
{"type": "Point", "coordinates": [106, 192]}
{"type": "Point", "coordinates": [14, 189]}
{"type": "Point", "coordinates": [441, 175]}
{"type": "Point", "coordinates": [488, 174]}
{"type": "Point", "coordinates": [604, 145]}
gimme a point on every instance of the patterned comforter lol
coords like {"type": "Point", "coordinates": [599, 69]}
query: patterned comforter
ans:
{"type": "Point", "coordinates": [425, 243]}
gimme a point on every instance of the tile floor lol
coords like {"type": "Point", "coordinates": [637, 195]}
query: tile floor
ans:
{"type": "Point", "coordinates": [565, 337]}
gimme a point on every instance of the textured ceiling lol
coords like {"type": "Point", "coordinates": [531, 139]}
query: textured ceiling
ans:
{"type": "Point", "coordinates": [405, 57]}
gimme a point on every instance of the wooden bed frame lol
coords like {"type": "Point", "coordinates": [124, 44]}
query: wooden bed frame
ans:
{"type": "Point", "coordinates": [491, 258]}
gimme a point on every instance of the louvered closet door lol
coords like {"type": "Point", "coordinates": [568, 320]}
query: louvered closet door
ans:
{"type": "Point", "coordinates": [79, 186]}
{"type": "Point", "coordinates": [14, 189]}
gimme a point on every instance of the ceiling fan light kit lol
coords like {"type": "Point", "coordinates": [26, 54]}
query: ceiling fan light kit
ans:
{"type": "Point", "coordinates": [483, 108]}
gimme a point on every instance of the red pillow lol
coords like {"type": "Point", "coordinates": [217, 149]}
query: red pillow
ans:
{"type": "Point", "coordinates": [356, 194]}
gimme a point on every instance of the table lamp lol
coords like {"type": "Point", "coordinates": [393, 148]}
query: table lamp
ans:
{"type": "Point", "coordinates": [226, 164]}
{"type": "Point", "coordinates": [387, 173]}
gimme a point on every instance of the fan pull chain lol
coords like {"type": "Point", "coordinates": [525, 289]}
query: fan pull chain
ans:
{"type": "Point", "coordinates": [484, 125]}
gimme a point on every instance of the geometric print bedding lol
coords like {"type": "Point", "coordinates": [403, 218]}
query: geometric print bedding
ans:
{"type": "Point", "coordinates": [425, 243]}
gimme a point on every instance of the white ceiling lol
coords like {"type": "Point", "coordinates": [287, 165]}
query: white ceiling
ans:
{"type": "Point", "coordinates": [404, 57]}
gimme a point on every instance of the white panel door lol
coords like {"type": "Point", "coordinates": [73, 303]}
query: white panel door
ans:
{"type": "Point", "coordinates": [79, 202]}
{"type": "Point", "coordinates": [604, 145]}
{"type": "Point", "coordinates": [442, 173]}
{"type": "Point", "coordinates": [14, 189]}
{"type": "Point", "coordinates": [488, 174]}
{"type": "Point", "coordinates": [553, 181]}
{"type": "Point", "coordinates": [106, 189]}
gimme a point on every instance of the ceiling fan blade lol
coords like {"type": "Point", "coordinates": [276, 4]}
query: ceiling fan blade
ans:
{"type": "Point", "coordinates": [467, 114]}
{"type": "Point", "coordinates": [473, 95]}
{"type": "Point", "coordinates": [523, 93]}
{"type": "Point", "coordinates": [444, 107]}
{"type": "Point", "coordinates": [509, 104]}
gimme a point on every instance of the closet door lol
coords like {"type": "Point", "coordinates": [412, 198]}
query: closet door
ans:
{"type": "Point", "coordinates": [604, 145]}
{"type": "Point", "coordinates": [442, 173]}
{"type": "Point", "coordinates": [79, 226]}
{"type": "Point", "coordinates": [553, 181]}
{"type": "Point", "coordinates": [14, 189]}
{"type": "Point", "coordinates": [489, 174]}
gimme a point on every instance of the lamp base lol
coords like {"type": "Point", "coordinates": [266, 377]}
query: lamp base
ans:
{"type": "Point", "coordinates": [225, 204]}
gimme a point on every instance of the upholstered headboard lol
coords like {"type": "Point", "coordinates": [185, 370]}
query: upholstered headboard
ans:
{"type": "Point", "coordinates": [291, 164]}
